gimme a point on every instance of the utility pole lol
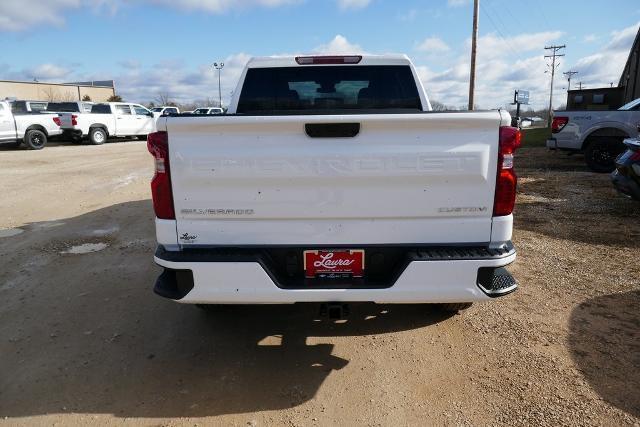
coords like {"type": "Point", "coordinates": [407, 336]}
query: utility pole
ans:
{"type": "Point", "coordinates": [580, 85]}
{"type": "Point", "coordinates": [219, 66]}
{"type": "Point", "coordinates": [474, 43]}
{"type": "Point", "coordinates": [569, 74]}
{"type": "Point", "coordinates": [553, 65]}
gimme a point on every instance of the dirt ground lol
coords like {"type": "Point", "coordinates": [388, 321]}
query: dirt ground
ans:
{"type": "Point", "coordinates": [84, 340]}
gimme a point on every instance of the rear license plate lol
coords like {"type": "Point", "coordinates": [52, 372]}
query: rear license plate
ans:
{"type": "Point", "coordinates": [334, 263]}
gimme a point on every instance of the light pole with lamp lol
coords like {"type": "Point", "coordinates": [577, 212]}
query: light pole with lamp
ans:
{"type": "Point", "coordinates": [219, 66]}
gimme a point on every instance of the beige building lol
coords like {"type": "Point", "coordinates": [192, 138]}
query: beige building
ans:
{"type": "Point", "coordinates": [98, 91]}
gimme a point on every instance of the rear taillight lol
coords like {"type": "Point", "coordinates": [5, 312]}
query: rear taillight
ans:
{"type": "Point", "coordinates": [559, 123]}
{"type": "Point", "coordinates": [158, 146]}
{"type": "Point", "coordinates": [506, 179]}
{"type": "Point", "coordinates": [74, 120]}
{"type": "Point", "coordinates": [312, 60]}
{"type": "Point", "coordinates": [56, 120]}
{"type": "Point", "coordinates": [635, 156]}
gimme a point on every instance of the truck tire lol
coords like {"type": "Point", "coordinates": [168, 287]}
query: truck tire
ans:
{"type": "Point", "coordinates": [454, 307]}
{"type": "Point", "coordinates": [35, 139]}
{"type": "Point", "coordinates": [601, 154]}
{"type": "Point", "coordinates": [97, 136]}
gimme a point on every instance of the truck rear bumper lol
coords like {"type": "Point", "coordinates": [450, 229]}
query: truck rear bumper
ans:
{"type": "Point", "coordinates": [428, 275]}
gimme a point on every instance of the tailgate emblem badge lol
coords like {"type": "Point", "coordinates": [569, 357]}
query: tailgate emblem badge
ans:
{"type": "Point", "coordinates": [186, 237]}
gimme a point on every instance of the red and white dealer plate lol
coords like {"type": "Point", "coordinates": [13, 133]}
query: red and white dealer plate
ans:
{"type": "Point", "coordinates": [334, 263]}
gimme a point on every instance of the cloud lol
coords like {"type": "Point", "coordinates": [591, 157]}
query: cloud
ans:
{"type": "Point", "coordinates": [457, 3]}
{"type": "Point", "coordinates": [339, 45]}
{"type": "Point", "coordinates": [432, 44]}
{"type": "Point", "coordinates": [590, 38]}
{"type": "Point", "coordinates": [499, 72]}
{"type": "Point", "coordinates": [606, 65]}
{"type": "Point", "coordinates": [353, 4]}
{"type": "Point", "coordinates": [221, 6]}
{"type": "Point", "coordinates": [47, 72]}
{"type": "Point", "coordinates": [20, 15]}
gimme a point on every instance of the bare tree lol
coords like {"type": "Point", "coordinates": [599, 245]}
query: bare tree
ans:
{"type": "Point", "coordinates": [50, 94]}
{"type": "Point", "coordinates": [439, 106]}
{"type": "Point", "coordinates": [164, 98]}
{"type": "Point", "coordinates": [66, 97]}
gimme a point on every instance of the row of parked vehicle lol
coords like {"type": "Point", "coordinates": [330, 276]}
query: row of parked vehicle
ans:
{"type": "Point", "coordinates": [610, 141]}
{"type": "Point", "coordinates": [33, 123]}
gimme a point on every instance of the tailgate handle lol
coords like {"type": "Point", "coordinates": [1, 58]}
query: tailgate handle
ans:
{"type": "Point", "coordinates": [332, 130]}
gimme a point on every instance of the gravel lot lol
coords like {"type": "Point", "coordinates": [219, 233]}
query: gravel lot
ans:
{"type": "Point", "coordinates": [84, 340]}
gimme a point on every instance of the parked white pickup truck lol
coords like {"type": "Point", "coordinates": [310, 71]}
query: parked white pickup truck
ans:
{"type": "Point", "coordinates": [208, 110]}
{"type": "Point", "coordinates": [108, 120]}
{"type": "Point", "coordinates": [599, 134]}
{"type": "Point", "coordinates": [164, 111]}
{"type": "Point", "coordinates": [330, 180]}
{"type": "Point", "coordinates": [29, 128]}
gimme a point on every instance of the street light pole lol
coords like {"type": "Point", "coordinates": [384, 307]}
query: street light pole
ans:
{"type": "Point", "coordinates": [219, 66]}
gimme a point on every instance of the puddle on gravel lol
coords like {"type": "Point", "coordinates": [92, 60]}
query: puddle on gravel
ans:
{"type": "Point", "coordinates": [8, 232]}
{"type": "Point", "coordinates": [85, 248]}
{"type": "Point", "coordinates": [50, 224]}
{"type": "Point", "coordinates": [105, 231]}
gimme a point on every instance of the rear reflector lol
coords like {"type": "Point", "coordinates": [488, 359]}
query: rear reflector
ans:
{"type": "Point", "coordinates": [506, 179]}
{"type": "Point", "coordinates": [559, 123]}
{"type": "Point", "coordinates": [311, 60]}
{"type": "Point", "coordinates": [56, 120]}
{"type": "Point", "coordinates": [158, 146]}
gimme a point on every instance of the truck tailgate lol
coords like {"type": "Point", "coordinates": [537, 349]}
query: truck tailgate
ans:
{"type": "Point", "coordinates": [66, 120]}
{"type": "Point", "coordinates": [403, 179]}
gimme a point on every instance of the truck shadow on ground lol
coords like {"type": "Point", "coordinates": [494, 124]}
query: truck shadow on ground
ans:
{"type": "Point", "coordinates": [84, 333]}
{"type": "Point", "coordinates": [605, 344]}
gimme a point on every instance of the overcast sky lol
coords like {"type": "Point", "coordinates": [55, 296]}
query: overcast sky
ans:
{"type": "Point", "coordinates": [168, 46]}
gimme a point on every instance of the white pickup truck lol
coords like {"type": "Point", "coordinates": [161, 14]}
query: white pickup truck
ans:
{"type": "Point", "coordinates": [330, 180]}
{"type": "Point", "coordinates": [208, 110]}
{"type": "Point", "coordinates": [599, 134]}
{"type": "Point", "coordinates": [111, 119]}
{"type": "Point", "coordinates": [164, 111]}
{"type": "Point", "coordinates": [29, 128]}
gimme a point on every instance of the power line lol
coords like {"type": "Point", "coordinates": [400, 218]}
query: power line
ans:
{"type": "Point", "coordinates": [554, 49]}
{"type": "Point", "coordinates": [515, 18]}
{"type": "Point", "coordinates": [541, 10]}
{"type": "Point", "coordinates": [506, 42]}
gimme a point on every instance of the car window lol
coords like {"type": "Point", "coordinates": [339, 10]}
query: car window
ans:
{"type": "Point", "coordinates": [63, 107]}
{"type": "Point", "coordinates": [329, 88]}
{"type": "Point", "coordinates": [172, 110]}
{"type": "Point", "coordinates": [123, 109]}
{"type": "Point", "coordinates": [141, 111]}
{"type": "Point", "coordinates": [157, 110]}
{"type": "Point", "coordinates": [2, 109]}
{"type": "Point", "coordinates": [633, 105]}
{"type": "Point", "coordinates": [38, 106]}
{"type": "Point", "coordinates": [101, 109]}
